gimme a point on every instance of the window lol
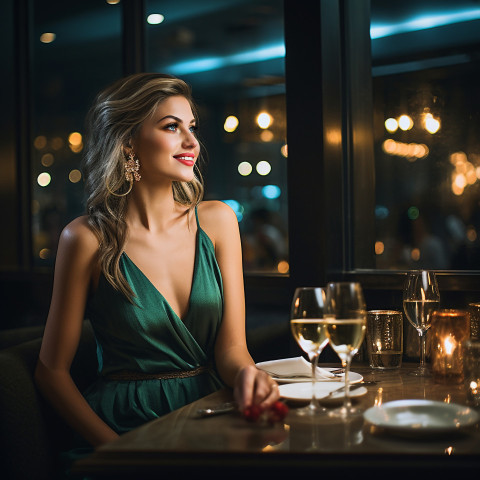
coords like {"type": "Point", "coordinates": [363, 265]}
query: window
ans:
{"type": "Point", "coordinates": [76, 52]}
{"type": "Point", "coordinates": [232, 54]}
{"type": "Point", "coordinates": [426, 122]}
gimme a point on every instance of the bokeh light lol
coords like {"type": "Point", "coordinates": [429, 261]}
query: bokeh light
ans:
{"type": "Point", "coordinates": [47, 37]}
{"type": "Point", "coordinates": [155, 18]}
{"type": "Point", "coordinates": [266, 136]}
{"type": "Point", "coordinates": [44, 253]}
{"type": "Point", "coordinates": [44, 179]}
{"type": "Point", "coordinates": [231, 123]}
{"type": "Point", "coordinates": [40, 142]}
{"type": "Point", "coordinates": [75, 138]}
{"type": "Point", "coordinates": [283, 266]}
{"type": "Point", "coordinates": [263, 168]}
{"type": "Point", "coordinates": [75, 176]}
{"type": "Point", "coordinates": [264, 120]}
{"type": "Point", "coordinates": [47, 160]}
{"type": "Point", "coordinates": [271, 191]}
{"type": "Point", "coordinates": [391, 125]}
{"type": "Point", "coordinates": [379, 248]}
{"type": "Point", "coordinates": [413, 213]}
{"type": "Point", "coordinates": [405, 122]}
{"type": "Point", "coordinates": [432, 125]}
{"type": "Point", "coordinates": [245, 169]}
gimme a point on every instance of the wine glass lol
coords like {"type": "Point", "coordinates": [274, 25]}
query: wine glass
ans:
{"type": "Point", "coordinates": [420, 298]}
{"type": "Point", "coordinates": [308, 329]}
{"type": "Point", "coordinates": [346, 320]}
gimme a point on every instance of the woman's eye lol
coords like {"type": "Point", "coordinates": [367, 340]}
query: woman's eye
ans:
{"type": "Point", "coordinates": [172, 126]}
{"type": "Point", "coordinates": [193, 128]}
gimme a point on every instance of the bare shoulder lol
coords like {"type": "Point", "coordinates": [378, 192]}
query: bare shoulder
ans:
{"type": "Point", "coordinates": [214, 210]}
{"type": "Point", "coordinates": [79, 235]}
{"type": "Point", "coordinates": [217, 219]}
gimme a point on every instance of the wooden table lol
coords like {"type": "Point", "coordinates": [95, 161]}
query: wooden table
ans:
{"type": "Point", "coordinates": [183, 444]}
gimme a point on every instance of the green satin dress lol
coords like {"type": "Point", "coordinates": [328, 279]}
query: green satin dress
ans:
{"type": "Point", "coordinates": [149, 337]}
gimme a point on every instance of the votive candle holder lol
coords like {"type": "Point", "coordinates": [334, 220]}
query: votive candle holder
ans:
{"type": "Point", "coordinates": [450, 328]}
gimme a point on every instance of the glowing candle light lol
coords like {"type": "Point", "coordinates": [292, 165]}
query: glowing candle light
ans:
{"type": "Point", "coordinates": [449, 330]}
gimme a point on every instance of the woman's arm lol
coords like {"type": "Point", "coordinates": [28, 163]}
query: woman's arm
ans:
{"type": "Point", "coordinates": [234, 363]}
{"type": "Point", "coordinates": [76, 266]}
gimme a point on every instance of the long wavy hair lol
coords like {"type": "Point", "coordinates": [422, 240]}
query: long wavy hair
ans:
{"type": "Point", "coordinates": [112, 123]}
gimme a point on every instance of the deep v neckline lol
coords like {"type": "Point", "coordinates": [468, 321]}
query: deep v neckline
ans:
{"type": "Point", "coordinates": [194, 276]}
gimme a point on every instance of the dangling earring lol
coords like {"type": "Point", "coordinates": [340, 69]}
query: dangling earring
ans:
{"type": "Point", "coordinates": [132, 166]}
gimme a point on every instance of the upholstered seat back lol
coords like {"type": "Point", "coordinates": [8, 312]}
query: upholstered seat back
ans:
{"type": "Point", "coordinates": [31, 433]}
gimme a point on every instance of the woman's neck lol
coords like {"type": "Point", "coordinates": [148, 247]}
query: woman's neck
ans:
{"type": "Point", "coordinates": [153, 209]}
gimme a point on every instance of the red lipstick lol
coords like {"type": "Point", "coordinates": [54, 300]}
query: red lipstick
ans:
{"type": "Point", "coordinates": [187, 159]}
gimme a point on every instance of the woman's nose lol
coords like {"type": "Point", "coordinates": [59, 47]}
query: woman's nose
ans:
{"type": "Point", "coordinates": [190, 140]}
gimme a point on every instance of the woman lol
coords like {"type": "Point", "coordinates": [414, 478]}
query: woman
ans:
{"type": "Point", "coordinates": [157, 272]}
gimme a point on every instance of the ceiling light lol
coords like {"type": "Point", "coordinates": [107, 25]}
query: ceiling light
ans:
{"type": "Point", "coordinates": [155, 18]}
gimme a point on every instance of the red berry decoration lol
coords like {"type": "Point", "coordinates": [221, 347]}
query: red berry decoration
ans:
{"type": "Point", "coordinates": [252, 413]}
{"type": "Point", "coordinates": [274, 414]}
{"type": "Point", "coordinates": [280, 409]}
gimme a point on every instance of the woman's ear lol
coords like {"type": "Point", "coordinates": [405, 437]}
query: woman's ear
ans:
{"type": "Point", "coordinates": [127, 149]}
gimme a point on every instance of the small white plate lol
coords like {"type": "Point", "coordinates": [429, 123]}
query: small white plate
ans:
{"type": "Point", "coordinates": [408, 417]}
{"type": "Point", "coordinates": [303, 391]}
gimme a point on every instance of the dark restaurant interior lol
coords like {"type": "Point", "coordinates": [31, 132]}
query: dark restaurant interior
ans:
{"type": "Point", "coordinates": [343, 133]}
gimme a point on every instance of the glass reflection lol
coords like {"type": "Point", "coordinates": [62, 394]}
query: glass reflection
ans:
{"type": "Point", "coordinates": [322, 434]}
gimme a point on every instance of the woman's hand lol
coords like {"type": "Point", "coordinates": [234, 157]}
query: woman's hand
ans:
{"type": "Point", "coordinates": [254, 387]}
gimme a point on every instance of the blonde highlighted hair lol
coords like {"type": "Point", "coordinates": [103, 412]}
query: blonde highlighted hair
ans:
{"type": "Point", "coordinates": [112, 123]}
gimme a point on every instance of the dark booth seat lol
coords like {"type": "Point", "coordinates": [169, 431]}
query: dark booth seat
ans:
{"type": "Point", "coordinates": [15, 336]}
{"type": "Point", "coordinates": [31, 433]}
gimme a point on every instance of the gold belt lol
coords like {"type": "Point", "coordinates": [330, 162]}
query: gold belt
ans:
{"type": "Point", "coordinates": [129, 376]}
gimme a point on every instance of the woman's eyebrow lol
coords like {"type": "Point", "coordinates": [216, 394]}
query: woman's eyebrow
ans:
{"type": "Point", "coordinates": [173, 117]}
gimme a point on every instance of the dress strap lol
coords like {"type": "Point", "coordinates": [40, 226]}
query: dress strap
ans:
{"type": "Point", "coordinates": [196, 216]}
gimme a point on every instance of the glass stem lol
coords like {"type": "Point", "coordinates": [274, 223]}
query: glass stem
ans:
{"type": "Point", "coordinates": [347, 403]}
{"type": "Point", "coordinates": [314, 402]}
{"type": "Point", "coordinates": [423, 348]}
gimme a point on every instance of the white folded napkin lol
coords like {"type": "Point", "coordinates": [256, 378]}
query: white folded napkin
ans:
{"type": "Point", "coordinates": [293, 366]}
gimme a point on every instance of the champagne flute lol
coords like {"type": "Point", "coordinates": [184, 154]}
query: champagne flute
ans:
{"type": "Point", "coordinates": [346, 321]}
{"type": "Point", "coordinates": [308, 329]}
{"type": "Point", "coordinates": [420, 298]}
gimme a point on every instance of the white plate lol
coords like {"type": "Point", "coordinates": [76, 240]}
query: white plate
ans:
{"type": "Point", "coordinates": [303, 391]}
{"type": "Point", "coordinates": [420, 416]}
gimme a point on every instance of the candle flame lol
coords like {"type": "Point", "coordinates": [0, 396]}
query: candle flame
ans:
{"type": "Point", "coordinates": [449, 343]}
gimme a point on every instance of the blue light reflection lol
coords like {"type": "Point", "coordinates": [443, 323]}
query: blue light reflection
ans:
{"type": "Point", "coordinates": [213, 63]}
{"type": "Point", "coordinates": [423, 22]}
{"type": "Point", "coordinates": [236, 207]}
{"type": "Point", "coordinates": [271, 191]}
